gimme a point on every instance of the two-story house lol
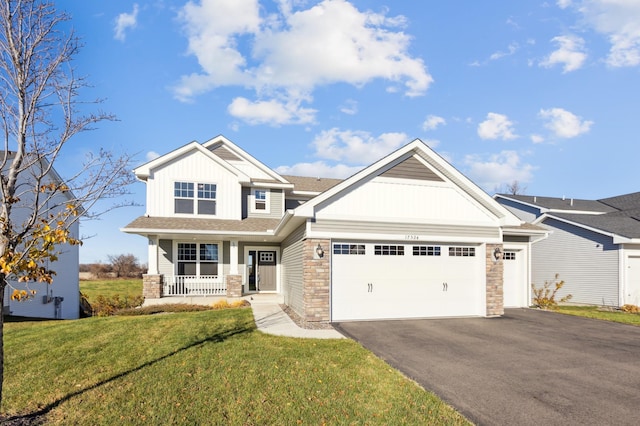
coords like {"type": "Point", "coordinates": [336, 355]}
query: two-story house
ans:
{"type": "Point", "coordinates": [61, 299]}
{"type": "Point", "coordinates": [407, 237]}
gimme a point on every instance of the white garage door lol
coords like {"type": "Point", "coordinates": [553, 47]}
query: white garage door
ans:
{"type": "Point", "coordinates": [515, 279]}
{"type": "Point", "coordinates": [389, 280]}
{"type": "Point", "coordinates": [632, 291]}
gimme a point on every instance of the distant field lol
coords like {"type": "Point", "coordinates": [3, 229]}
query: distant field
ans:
{"type": "Point", "coordinates": [110, 287]}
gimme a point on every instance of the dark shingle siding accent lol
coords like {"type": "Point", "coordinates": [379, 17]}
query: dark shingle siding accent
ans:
{"type": "Point", "coordinates": [224, 153]}
{"type": "Point", "coordinates": [411, 168]}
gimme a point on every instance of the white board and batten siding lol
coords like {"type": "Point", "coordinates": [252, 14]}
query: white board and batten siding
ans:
{"type": "Point", "coordinates": [197, 168]}
{"type": "Point", "coordinates": [588, 263]}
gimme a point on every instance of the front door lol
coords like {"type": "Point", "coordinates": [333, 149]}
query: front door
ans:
{"type": "Point", "coordinates": [261, 270]}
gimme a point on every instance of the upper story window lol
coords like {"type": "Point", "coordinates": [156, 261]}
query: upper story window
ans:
{"type": "Point", "coordinates": [190, 201]}
{"type": "Point", "coordinates": [260, 202]}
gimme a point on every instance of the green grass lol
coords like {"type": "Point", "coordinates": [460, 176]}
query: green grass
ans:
{"type": "Point", "coordinates": [596, 313]}
{"type": "Point", "coordinates": [208, 367]}
{"type": "Point", "coordinates": [110, 287]}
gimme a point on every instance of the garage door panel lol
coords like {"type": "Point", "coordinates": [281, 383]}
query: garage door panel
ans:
{"type": "Point", "coordinates": [373, 286]}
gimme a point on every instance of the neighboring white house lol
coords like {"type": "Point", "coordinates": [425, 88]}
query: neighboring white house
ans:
{"type": "Point", "coordinates": [61, 299]}
{"type": "Point", "coordinates": [407, 237]}
{"type": "Point", "coordinates": [594, 245]}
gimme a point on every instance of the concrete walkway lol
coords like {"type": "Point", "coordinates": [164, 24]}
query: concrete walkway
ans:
{"type": "Point", "coordinates": [268, 315]}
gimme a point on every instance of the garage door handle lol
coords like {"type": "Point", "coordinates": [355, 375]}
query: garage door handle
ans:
{"type": "Point", "coordinates": [445, 287]}
{"type": "Point", "coordinates": [369, 288]}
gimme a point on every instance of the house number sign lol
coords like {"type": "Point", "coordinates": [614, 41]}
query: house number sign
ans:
{"type": "Point", "coordinates": [411, 237]}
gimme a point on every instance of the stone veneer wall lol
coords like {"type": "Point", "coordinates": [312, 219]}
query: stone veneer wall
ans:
{"type": "Point", "coordinates": [315, 276]}
{"type": "Point", "coordinates": [495, 282]}
{"type": "Point", "coordinates": [234, 285]}
{"type": "Point", "coordinates": [152, 286]}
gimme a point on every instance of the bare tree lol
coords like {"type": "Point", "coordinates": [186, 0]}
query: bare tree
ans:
{"type": "Point", "coordinates": [40, 112]}
{"type": "Point", "coordinates": [513, 188]}
{"type": "Point", "coordinates": [124, 265]}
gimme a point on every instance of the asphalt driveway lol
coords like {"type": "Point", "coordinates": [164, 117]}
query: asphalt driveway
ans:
{"type": "Point", "coordinates": [527, 367]}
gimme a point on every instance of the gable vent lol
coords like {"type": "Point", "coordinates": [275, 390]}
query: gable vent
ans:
{"type": "Point", "coordinates": [412, 168]}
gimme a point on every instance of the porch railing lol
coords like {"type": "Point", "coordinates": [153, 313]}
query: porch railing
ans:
{"type": "Point", "coordinates": [191, 285]}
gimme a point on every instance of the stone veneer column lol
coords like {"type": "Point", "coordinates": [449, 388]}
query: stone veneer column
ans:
{"type": "Point", "coordinates": [315, 276]}
{"type": "Point", "coordinates": [152, 286]}
{"type": "Point", "coordinates": [234, 285]}
{"type": "Point", "coordinates": [495, 282]}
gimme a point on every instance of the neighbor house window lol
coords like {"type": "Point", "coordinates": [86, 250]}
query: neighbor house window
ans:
{"type": "Point", "coordinates": [260, 202]}
{"type": "Point", "coordinates": [391, 250]}
{"type": "Point", "coordinates": [462, 251]}
{"type": "Point", "coordinates": [197, 259]}
{"type": "Point", "coordinates": [426, 250]}
{"type": "Point", "coordinates": [348, 249]}
{"type": "Point", "coordinates": [189, 201]}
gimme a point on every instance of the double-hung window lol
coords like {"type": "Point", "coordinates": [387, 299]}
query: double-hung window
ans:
{"type": "Point", "coordinates": [197, 259]}
{"type": "Point", "coordinates": [260, 201]}
{"type": "Point", "coordinates": [188, 200]}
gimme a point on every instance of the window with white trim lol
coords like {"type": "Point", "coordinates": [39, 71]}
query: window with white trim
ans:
{"type": "Point", "coordinates": [189, 201]}
{"type": "Point", "coordinates": [349, 249]}
{"type": "Point", "coordinates": [197, 259]}
{"type": "Point", "coordinates": [426, 250]}
{"type": "Point", "coordinates": [260, 201]}
{"type": "Point", "coordinates": [462, 251]}
{"type": "Point", "coordinates": [388, 250]}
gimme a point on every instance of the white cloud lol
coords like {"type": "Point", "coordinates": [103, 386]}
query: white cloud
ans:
{"type": "Point", "coordinates": [272, 112]}
{"type": "Point", "coordinates": [563, 4]}
{"type": "Point", "coordinates": [619, 21]}
{"type": "Point", "coordinates": [291, 52]}
{"type": "Point", "coordinates": [319, 169]}
{"type": "Point", "coordinates": [432, 122]}
{"type": "Point", "coordinates": [496, 126]}
{"type": "Point", "coordinates": [498, 169]}
{"type": "Point", "coordinates": [125, 21]}
{"type": "Point", "coordinates": [350, 107]}
{"type": "Point", "coordinates": [570, 53]}
{"type": "Point", "coordinates": [563, 123]}
{"type": "Point", "coordinates": [535, 138]}
{"type": "Point", "coordinates": [511, 49]}
{"type": "Point", "coordinates": [152, 155]}
{"type": "Point", "coordinates": [356, 147]}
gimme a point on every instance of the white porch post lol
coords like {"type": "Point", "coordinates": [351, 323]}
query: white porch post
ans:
{"type": "Point", "coordinates": [153, 255]}
{"type": "Point", "coordinates": [233, 257]}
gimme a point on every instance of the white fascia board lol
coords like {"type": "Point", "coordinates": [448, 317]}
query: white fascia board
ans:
{"type": "Point", "coordinates": [618, 239]}
{"type": "Point", "coordinates": [574, 211]}
{"type": "Point", "coordinates": [401, 237]}
{"type": "Point", "coordinates": [149, 231]}
{"type": "Point", "coordinates": [144, 171]}
{"type": "Point", "coordinates": [272, 185]}
{"type": "Point", "coordinates": [244, 155]}
{"type": "Point", "coordinates": [306, 193]}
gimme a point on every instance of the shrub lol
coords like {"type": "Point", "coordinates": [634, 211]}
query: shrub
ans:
{"type": "Point", "coordinates": [224, 304]}
{"type": "Point", "coordinates": [632, 309]}
{"type": "Point", "coordinates": [105, 306]}
{"type": "Point", "coordinates": [545, 297]}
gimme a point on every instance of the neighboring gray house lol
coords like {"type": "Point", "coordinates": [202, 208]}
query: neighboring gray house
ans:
{"type": "Point", "coordinates": [594, 245]}
{"type": "Point", "coordinates": [407, 237]}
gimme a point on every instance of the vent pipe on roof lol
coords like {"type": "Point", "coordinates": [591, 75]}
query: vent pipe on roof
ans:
{"type": "Point", "coordinates": [535, 199]}
{"type": "Point", "coordinates": [572, 202]}
{"type": "Point", "coordinates": [563, 198]}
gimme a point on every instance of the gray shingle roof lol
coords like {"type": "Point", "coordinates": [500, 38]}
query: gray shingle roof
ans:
{"type": "Point", "coordinates": [572, 204]}
{"type": "Point", "coordinates": [311, 184]}
{"type": "Point", "coordinates": [168, 224]}
{"type": "Point", "coordinates": [614, 223]}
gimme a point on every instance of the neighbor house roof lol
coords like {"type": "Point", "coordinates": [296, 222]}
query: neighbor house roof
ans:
{"type": "Point", "coordinates": [311, 184]}
{"type": "Point", "coordinates": [567, 204]}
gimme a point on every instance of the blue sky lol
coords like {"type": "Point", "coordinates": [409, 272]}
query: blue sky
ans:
{"type": "Point", "coordinates": [543, 92]}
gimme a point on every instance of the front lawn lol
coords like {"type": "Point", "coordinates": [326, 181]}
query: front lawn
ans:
{"type": "Point", "coordinates": [129, 288]}
{"type": "Point", "coordinates": [208, 367]}
{"type": "Point", "coordinates": [598, 313]}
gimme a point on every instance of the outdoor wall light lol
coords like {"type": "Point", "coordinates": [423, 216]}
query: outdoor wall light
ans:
{"type": "Point", "coordinates": [319, 251]}
{"type": "Point", "coordinates": [497, 254]}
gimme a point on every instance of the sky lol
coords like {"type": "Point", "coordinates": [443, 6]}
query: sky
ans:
{"type": "Point", "coordinates": [545, 93]}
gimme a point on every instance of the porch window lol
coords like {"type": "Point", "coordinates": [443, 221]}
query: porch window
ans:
{"type": "Point", "coordinates": [197, 259]}
{"type": "Point", "coordinates": [187, 199]}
